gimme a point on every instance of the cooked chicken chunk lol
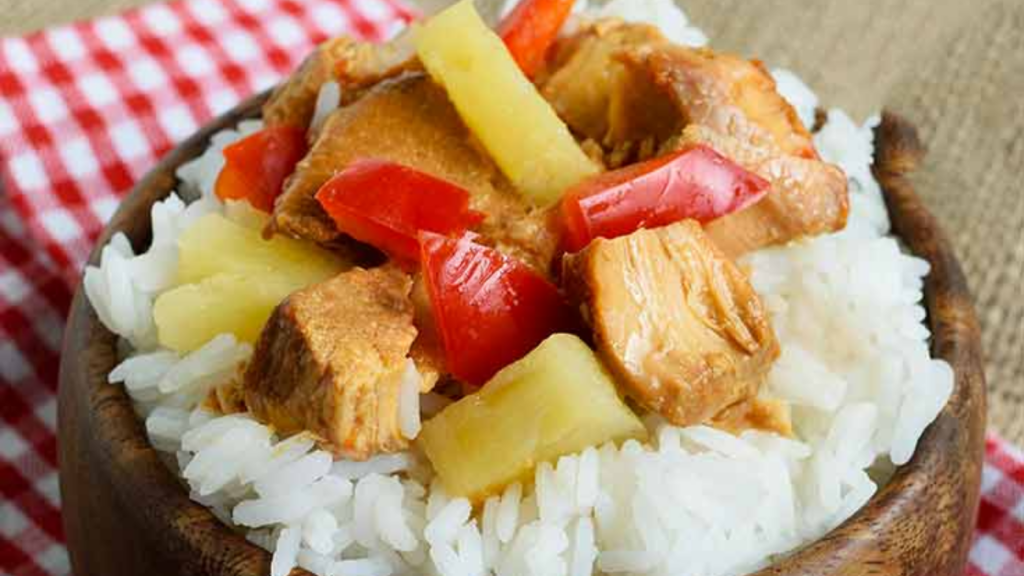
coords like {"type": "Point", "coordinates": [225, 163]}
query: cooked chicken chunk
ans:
{"type": "Point", "coordinates": [808, 197]}
{"type": "Point", "coordinates": [352, 64]}
{"type": "Point", "coordinates": [409, 120]}
{"type": "Point", "coordinates": [766, 415]}
{"type": "Point", "coordinates": [331, 358]}
{"type": "Point", "coordinates": [675, 320]}
{"type": "Point", "coordinates": [532, 238]}
{"type": "Point", "coordinates": [725, 93]}
{"type": "Point", "coordinates": [615, 82]}
{"type": "Point", "coordinates": [406, 120]}
{"type": "Point", "coordinates": [761, 132]}
{"type": "Point", "coordinates": [602, 99]}
{"type": "Point", "coordinates": [628, 88]}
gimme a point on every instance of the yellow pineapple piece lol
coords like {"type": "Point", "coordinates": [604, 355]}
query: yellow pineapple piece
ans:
{"type": "Point", "coordinates": [519, 129]}
{"type": "Point", "coordinates": [192, 314]}
{"type": "Point", "coordinates": [216, 245]}
{"type": "Point", "coordinates": [229, 280]}
{"type": "Point", "coordinates": [242, 213]}
{"type": "Point", "coordinates": [556, 400]}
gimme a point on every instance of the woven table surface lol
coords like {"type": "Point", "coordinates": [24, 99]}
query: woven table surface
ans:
{"type": "Point", "coordinates": [955, 68]}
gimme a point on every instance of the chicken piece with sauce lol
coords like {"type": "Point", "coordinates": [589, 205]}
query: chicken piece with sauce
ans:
{"type": "Point", "coordinates": [409, 120]}
{"type": "Point", "coordinates": [353, 64]}
{"type": "Point", "coordinates": [726, 93]}
{"type": "Point", "coordinates": [675, 320]}
{"type": "Point", "coordinates": [763, 414]}
{"type": "Point", "coordinates": [639, 95]}
{"type": "Point", "coordinates": [331, 360]}
{"type": "Point", "coordinates": [604, 101]}
{"type": "Point", "coordinates": [808, 197]}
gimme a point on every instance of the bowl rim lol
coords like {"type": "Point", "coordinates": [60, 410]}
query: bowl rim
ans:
{"type": "Point", "coordinates": [134, 469]}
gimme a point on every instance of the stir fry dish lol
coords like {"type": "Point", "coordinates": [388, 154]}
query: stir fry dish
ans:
{"type": "Point", "coordinates": [539, 225]}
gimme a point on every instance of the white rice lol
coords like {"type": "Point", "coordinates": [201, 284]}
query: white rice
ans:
{"type": "Point", "coordinates": [855, 366]}
{"type": "Point", "coordinates": [409, 401]}
{"type": "Point", "coordinates": [664, 14]}
{"type": "Point", "coordinates": [327, 100]}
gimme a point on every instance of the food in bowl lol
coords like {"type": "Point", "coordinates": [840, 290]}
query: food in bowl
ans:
{"type": "Point", "coordinates": [587, 300]}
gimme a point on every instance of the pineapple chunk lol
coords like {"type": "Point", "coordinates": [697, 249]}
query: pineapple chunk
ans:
{"type": "Point", "coordinates": [242, 213]}
{"type": "Point", "coordinates": [556, 400]}
{"type": "Point", "coordinates": [216, 245]}
{"type": "Point", "coordinates": [191, 315]}
{"type": "Point", "coordinates": [230, 279]}
{"type": "Point", "coordinates": [519, 129]}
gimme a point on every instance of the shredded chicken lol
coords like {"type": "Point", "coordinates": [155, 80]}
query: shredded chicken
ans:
{"type": "Point", "coordinates": [676, 321]}
{"type": "Point", "coordinates": [330, 361]}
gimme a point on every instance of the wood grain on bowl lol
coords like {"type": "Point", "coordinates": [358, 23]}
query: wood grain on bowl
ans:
{"type": "Point", "coordinates": [126, 513]}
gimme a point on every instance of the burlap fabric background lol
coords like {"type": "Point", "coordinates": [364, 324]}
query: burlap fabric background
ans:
{"type": "Point", "coordinates": [955, 67]}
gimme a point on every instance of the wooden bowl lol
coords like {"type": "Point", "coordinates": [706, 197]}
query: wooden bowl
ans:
{"type": "Point", "coordinates": [125, 512]}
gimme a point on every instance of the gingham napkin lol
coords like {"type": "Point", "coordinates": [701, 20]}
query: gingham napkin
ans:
{"type": "Point", "coordinates": [85, 111]}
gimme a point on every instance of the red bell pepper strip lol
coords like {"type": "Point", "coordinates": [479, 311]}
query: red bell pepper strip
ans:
{"type": "Point", "coordinates": [490, 309]}
{"type": "Point", "coordinates": [256, 166]}
{"type": "Point", "coordinates": [696, 183]}
{"type": "Point", "coordinates": [530, 29]}
{"type": "Point", "coordinates": [386, 205]}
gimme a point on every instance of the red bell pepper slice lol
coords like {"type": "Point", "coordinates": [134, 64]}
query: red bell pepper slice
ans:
{"type": "Point", "coordinates": [256, 166]}
{"type": "Point", "coordinates": [696, 183]}
{"type": "Point", "coordinates": [530, 29]}
{"type": "Point", "coordinates": [490, 309]}
{"type": "Point", "coordinates": [386, 205]}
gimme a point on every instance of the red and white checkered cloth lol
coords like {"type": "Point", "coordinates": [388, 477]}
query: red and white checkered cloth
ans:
{"type": "Point", "coordinates": [85, 111]}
